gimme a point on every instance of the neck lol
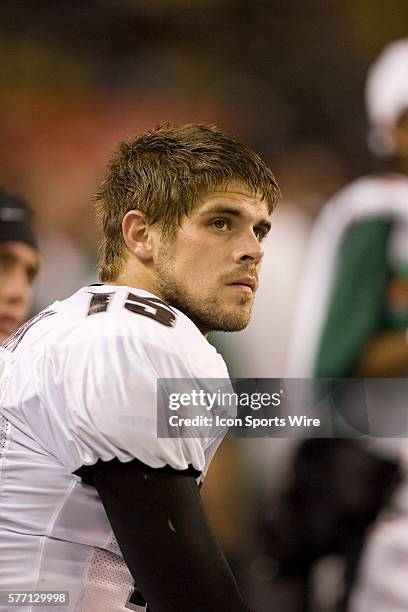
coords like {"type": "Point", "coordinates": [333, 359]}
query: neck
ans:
{"type": "Point", "coordinates": [137, 279]}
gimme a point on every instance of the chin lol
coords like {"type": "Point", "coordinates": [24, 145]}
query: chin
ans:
{"type": "Point", "coordinates": [236, 326]}
{"type": "Point", "coordinates": [235, 321]}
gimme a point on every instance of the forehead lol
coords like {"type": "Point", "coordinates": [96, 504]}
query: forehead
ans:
{"type": "Point", "coordinates": [20, 253]}
{"type": "Point", "coordinates": [237, 196]}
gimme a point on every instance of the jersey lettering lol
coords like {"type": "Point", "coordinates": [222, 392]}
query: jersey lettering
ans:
{"type": "Point", "coordinates": [151, 307]}
{"type": "Point", "coordinates": [99, 303]}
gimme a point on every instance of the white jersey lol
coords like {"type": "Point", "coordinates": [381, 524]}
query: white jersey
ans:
{"type": "Point", "coordinates": [82, 387]}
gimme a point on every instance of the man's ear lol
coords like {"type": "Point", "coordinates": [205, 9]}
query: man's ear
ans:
{"type": "Point", "coordinates": [138, 235]}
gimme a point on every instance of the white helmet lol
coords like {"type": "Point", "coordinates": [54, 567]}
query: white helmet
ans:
{"type": "Point", "coordinates": [386, 95]}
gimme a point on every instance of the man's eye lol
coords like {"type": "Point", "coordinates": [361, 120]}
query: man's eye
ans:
{"type": "Point", "coordinates": [259, 233]}
{"type": "Point", "coordinates": [31, 274]}
{"type": "Point", "coordinates": [221, 224]}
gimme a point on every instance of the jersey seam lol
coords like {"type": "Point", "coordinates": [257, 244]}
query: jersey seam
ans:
{"type": "Point", "coordinates": [84, 575]}
{"type": "Point", "coordinates": [3, 460]}
{"type": "Point", "coordinates": [50, 526]}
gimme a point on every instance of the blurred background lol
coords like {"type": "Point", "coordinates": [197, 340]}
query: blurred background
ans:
{"type": "Point", "coordinates": [285, 77]}
{"type": "Point", "coordinates": [77, 77]}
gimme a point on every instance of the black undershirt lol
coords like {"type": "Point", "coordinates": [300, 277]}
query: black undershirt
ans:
{"type": "Point", "coordinates": [167, 543]}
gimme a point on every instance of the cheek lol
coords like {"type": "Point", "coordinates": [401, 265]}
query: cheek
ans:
{"type": "Point", "coordinates": [198, 275]}
{"type": "Point", "coordinates": [197, 264]}
{"type": "Point", "coordinates": [188, 260]}
{"type": "Point", "coordinates": [29, 295]}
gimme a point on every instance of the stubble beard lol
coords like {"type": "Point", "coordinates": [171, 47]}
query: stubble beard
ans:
{"type": "Point", "coordinates": [206, 313]}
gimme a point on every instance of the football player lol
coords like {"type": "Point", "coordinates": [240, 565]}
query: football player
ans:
{"type": "Point", "coordinates": [93, 502]}
{"type": "Point", "coordinates": [19, 262]}
{"type": "Point", "coordinates": [352, 322]}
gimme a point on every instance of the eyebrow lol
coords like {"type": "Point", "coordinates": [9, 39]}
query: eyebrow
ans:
{"type": "Point", "coordinates": [235, 212]}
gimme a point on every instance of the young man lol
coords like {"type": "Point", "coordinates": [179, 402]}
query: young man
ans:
{"type": "Point", "coordinates": [93, 501]}
{"type": "Point", "coordinates": [19, 263]}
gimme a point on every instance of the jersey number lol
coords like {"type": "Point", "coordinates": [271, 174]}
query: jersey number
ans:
{"type": "Point", "coordinates": [151, 307]}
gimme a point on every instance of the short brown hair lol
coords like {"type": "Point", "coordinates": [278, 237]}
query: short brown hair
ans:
{"type": "Point", "coordinates": [164, 173]}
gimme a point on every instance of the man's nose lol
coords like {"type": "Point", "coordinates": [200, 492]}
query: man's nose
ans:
{"type": "Point", "coordinates": [249, 250]}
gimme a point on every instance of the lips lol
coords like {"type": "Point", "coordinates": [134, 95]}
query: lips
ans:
{"type": "Point", "coordinates": [247, 281]}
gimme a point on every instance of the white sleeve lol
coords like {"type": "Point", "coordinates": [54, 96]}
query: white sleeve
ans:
{"type": "Point", "coordinates": [102, 395]}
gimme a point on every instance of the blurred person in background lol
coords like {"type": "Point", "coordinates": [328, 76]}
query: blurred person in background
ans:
{"type": "Point", "coordinates": [19, 262]}
{"type": "Point", "coordinates": [381, 582]}
{"type": "Point", "coordinates": [351, 321]}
